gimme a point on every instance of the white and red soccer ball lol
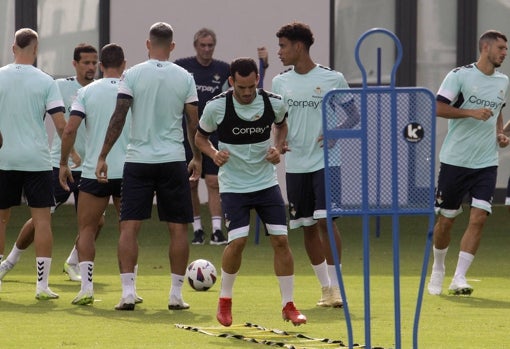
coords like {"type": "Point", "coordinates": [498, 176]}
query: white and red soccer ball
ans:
{"type": "Point", "coordinates": [201, 274]}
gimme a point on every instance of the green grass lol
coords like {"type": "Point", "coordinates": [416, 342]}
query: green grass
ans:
{"type": "Point", "coordinates": [479, 321]}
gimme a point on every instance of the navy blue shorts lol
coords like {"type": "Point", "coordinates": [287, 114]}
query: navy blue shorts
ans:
{"type": "Point", "coordinates": [307, 198]}
{"type": "Point", "coordinates": [169, 181]}
{"type": "Point", "coordinates": [92, 186]}
{"type": "Point", "coordinates": [36, 186]}
{"type": "Point", "coordinates": [208, 165]}
{"type": "Point", "coordinates": [455, 182]}
{"type": "Point", "coordinates": [61, 195]}
{"type": "Point", "coordinates": [269, 205]}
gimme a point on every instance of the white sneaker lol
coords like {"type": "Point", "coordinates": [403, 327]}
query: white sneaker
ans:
{"type": "Point", "coordinates": [5, 267]}
{"type": "Point", "coordinates": [45, 294]}
{"type": "Point", "coordinates": [127, 303]}
{"type": "Point", "coordinates": [175, 303]}
{"type": "Point", "coordinates": [138, 299]}
{"type": "Point", "coordinates": [435, 285]}
{"type": "Point", "coordinates": [84, 298]}
{"type": "Point", "coordinates": [460, 287]}
{"type": "Point", "coordinates": [73, 271]}
{"type": "Point", "coordinates": [331, 297]}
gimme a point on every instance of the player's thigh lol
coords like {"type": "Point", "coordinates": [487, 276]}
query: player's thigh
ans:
{"type": "Point", "coordinates": [11, 188]}
{"type": "Point", "coordinates": [38, 189]}
{"type": "Point", "coordinates": [236, 211]}
{"type": "Point", "coordinates": [271, 210]}
{"type": "Point", "coordinates": [300, 195]}
{"type": "Point", "coordinates": [173, 194]}
{"type": "Point", "coordinates": [90, 211]}
{"type": "Point", "coordinates": [137, 191]}
{"type": "Point", "coordinates": [452, 186]}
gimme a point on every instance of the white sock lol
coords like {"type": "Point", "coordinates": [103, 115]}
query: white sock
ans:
{"type": "Point", "coordinates": [86, 272]}
{"type": "Point", "coordinates": [14, 255]}
{"type": "Point", "coordinates": [197, 223]}
{"type": "Point", "coordinates": [136, 274]}
{"type": "Point", "coordinates": [286, 288]}
{"type": "Point", "coordinates": [73, 257]}
{"type": "Point", "coordinates": [227, 284]}
{"type": "Point", "coordinates": [332, 275]}
{"type": "Point", "coordinates": [128, 284]}
{"type": "Point", "coordinates": [321, 271]}
{"type": "Point", "coordinates": [439, 258]}
{"type": "Point", "coordinates": [176, 287]}
{"type": "Point", "coordinates": [216, 223]}
{"type": "Point", "coordinates": [463, 264]}
{"type": "Point", "coordinates": [43, 266]}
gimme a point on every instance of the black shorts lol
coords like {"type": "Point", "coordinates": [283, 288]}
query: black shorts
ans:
{"type": "Point", "coordinates": [307, 198]}
{"type": "Point", "coordinates": [92, 186]}
{"type": "Point", "coordinates": [455, 182]}
{"type": "Point", "coordinates": [507, 199]}
{"type": "Point", "coordinates": [36, 186]}
{"type": "Point", "coordinates": [269, 205]}
{"type": "Point", "coordinates": [169, 181]}
{"type": "Point", "coordinates": [208, 165]}
{"type": "Point", "coordinates": [61, 195]}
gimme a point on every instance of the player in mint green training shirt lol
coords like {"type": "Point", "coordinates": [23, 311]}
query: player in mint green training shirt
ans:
{"type": "Point", "coordinates": [243, 118]}
{"type": "Point", "coordinates": [94, 105]}
{"type": "Point", "coordinates": [85, 63]}
{"type": "Point", "coordinates": [26, 95]}
{"type": "Point", "coordinates": [303, 88]}
{"type": "Point", "coordinates": [157, 92]}
{"type": "Point", "coordinates": [471, 98]}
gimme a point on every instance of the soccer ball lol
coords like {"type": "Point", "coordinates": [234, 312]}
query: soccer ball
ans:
{"type": "Point", "coordinates": [201, 274]}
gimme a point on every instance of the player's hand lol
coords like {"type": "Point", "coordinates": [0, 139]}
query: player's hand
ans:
{"type": "Point", "coordinates": [283, 147]}
{"type": "Point", "coordinates": [221, 157]}
{"type": "Point", "coordinates": [482, 114]}
{"type": "Point", "coordinates": [503, 140]}
{"type": "Point", "coordinates": [195, 169]}
{"type": "Point", "coordinates": [273, 156]}
{"type": "Point", "coordinates": [102, 171]}
{"type": "Point", "coordinates": [64, 174]}
{"type": "Point", "coordinates": [331, 142]}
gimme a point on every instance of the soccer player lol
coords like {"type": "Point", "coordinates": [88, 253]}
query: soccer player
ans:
{"type": "Point", "coordinates": [471, 98]}
{"type": "Point", "coordinates": [85, 65]}
{"type": "Point", "coordinates": [303, 88]}
{"type": "Point", "coordinates": [157, 91]}
{"type": "Point", "coordinates": [243, 118]}
{"type": "Point", "coordinates": [94, 104]}
{"type": "Point", "coordinates": [211, 78]}
{"type": "Point", "coordinates": [26, 94]}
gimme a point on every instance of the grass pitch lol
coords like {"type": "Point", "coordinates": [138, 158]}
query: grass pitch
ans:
{"type": "Point", "coordinates": [479, 321]}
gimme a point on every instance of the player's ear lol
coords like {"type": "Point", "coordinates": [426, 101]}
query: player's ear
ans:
{"type": "Point", "coordinates": [231, 81]}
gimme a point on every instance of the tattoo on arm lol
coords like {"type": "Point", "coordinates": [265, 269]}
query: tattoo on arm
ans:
{"type": "Point", "coordinates": [116, 124]}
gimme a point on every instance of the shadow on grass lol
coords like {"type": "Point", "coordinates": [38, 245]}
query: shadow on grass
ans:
{"type": "Point", "coordinates": [477, 302]}
{"type": "Point", "coordinates": [141, 315]}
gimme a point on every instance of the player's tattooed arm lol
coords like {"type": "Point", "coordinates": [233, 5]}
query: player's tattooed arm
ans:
{"type": "Point", "coordinates": [116, 125]}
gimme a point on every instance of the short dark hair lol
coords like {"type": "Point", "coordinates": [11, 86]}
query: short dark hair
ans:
{"type": "Point", "coordinates": [489, 36]}
{"type": "Point", "coordinates": [202, 33]}
{"type": "Point", "coordinates": [83, 48]}
{"type": "Point", "coordinates": [297, 31]}
{"type": "Point", "coordinates": [24, 37]}
{"type": "Point", "coordinates": [161, 33]}
{"type": "Point", "coordinates": [112, 56]}
{"type": "Point", "coordinates": [243, 66]}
